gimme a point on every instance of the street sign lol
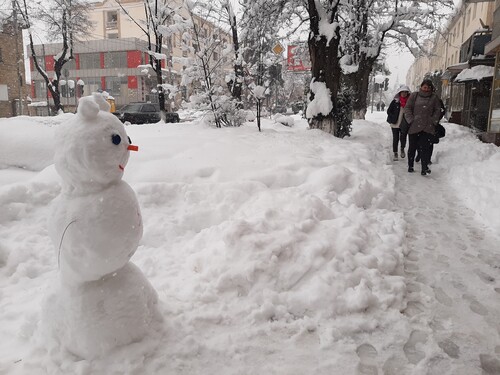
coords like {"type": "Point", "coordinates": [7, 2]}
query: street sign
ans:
{"type": "Point", "coordinates": [278, 49]}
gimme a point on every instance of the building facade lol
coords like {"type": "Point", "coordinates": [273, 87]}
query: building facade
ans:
{"type": "Point", "coordinates": [462, 66]}
{"type": "Point", "coordinates": [444, 50]}
{"type": "Point", "coordinates": [494, 48]}
{"type": "Point", "coordinates": [12, 81]}
{"type": "Point", "coordinates": [115, 58]}
{"type": "Point", "coordinates": [112, 65]}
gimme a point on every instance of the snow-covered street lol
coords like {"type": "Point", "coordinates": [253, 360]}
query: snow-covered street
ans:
{"type": "Point", "coordinates": [281, 252]}
{"type": "Point", "coordinates": [452, 268]}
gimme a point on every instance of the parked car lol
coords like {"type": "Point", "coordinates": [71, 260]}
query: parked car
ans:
{"type": "Point", "coordinates": [143, 113]}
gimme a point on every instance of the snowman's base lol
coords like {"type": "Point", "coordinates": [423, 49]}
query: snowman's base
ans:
{"type": "Point", "coordinates": [91, 318]}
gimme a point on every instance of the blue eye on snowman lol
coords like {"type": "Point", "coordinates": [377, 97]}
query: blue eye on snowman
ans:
{"type": "Point", "coordinates": [116, 139]}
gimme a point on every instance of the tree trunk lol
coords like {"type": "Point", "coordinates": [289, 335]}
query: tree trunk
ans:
{"type": "Point", "coordinates": [358, 83]}
{"type": "Point", "coordinates": [236, 86]}
{"type": "Point", "coordinates": [325, 65]}
{"type": "Point", "coordinates": [259, 112]}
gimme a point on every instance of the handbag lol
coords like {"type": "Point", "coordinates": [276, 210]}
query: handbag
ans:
{"type": "Point", "coordinates": [404, 126]}
{"type": "Point", "coordinates": [440, 130]}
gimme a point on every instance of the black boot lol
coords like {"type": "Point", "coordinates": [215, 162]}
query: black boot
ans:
{"type": "Point", "coordinates": [425, 171]}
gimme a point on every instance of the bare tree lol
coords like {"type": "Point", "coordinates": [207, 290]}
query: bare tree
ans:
{"type": "Point", "coordinates": [64, 20]}
{"type": "Point", "coordinates": [208, 68]}
{"type": "Point", "coordinates": [320, 18]}
{"type": "Point", "coordinates": [160, 22]}
{"type": "Point", "coordinates": [369, 25]}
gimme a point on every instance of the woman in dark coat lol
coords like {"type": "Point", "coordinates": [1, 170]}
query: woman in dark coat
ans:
{"type": "Point", "coordinates": [395, 119]}
{"type": "Point", "coordinates": [423, 112]}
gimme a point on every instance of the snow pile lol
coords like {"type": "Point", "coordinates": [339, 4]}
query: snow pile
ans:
{"type": "Point", "coordinates": [477, 72]}
{"type": "Point", "coordinates": [284, 120]}
{"type": "Point", "coordinates": [322, 103]}
{"type": "Point", "coordinates": [275, 252]}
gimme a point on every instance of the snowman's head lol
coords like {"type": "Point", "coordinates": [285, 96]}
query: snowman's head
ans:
{"type": "Point", "coordinates": [92, 149]}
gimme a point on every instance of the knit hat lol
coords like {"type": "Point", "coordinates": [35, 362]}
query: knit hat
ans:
{"type": "Point", "coordinates": [427, 82]}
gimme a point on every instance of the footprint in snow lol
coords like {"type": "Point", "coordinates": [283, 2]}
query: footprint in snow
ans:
{"type": "Point", "coordinates": [450, 348]}
{"type": "Point", "coordinates": [367, 359]}
{"type": "Point", "coordinates": [442, 297]}
{"type": "Point", "coordinates": [412, 352]}
{"type": "Point", "coordinates": [484, 276]}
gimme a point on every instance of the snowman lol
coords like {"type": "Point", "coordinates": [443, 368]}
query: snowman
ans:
{"type": "Point", "coordinates": [101, 300]}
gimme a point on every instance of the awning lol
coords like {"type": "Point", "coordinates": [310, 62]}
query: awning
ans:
{"type": "Point", "coordinates": [476, 73]}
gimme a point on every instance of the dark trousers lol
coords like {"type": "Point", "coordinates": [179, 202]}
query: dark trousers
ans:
{"type": "Point", "coordinates": [423, 143]}
{"type": "Point", "coordinates": [398, 135]}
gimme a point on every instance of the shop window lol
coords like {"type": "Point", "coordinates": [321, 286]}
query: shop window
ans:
{"type": "Point", "coordinates": [115, 59]}
{"type": "Point", "coordinates": [116, 85]}
{"type": "Point", "coordinates": [92, 84]}
{"type": "Point", "coordinates": [90, 61]}
{"type": "Point", "coordinates": [40, 89]}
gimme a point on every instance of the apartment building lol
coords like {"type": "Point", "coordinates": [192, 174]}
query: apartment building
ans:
{"type": "Point", "coordinates": [445, 48]}
{"type": "Point", "coordinates": [113, 22]}
{"type": "Point", "coordinates": [457, 53]}
{"type": "Point", "coordinates": [99, 65]}
{"type": "Point", "coordinates": [114, 58]}
{"type": "Point", "coordinates": [12, 85]}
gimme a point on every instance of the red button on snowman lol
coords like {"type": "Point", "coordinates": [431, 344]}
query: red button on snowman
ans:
{"type": "Point", "coordinates": [103, 300]}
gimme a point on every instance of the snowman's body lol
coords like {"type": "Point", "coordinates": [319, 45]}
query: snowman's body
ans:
{"type": "Point", "coordinates": [98, 232]}
{"type": "Point", "coordinates": [102, 300]}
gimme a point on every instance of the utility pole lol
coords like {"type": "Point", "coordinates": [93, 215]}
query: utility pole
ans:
{"type": "Point", "coordinates": [16, 36]}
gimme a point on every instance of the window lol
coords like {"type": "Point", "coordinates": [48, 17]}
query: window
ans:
{"type": "Point", "coordinates": [92, 84]}
{"type": "Point", "coordinates": [4, 93]}
{"type": "Point", "coordinates": [467, 19]}
{"type": "Point", "coordinates": [70, 65]}
{"type": "Point", "coordinates": [112, 19]}
{"type": "Point", "coordinates": [1, 60]}
{"type": "Point", "coordinates": [216, 56]}
{"type": "Point", "coordinates": [114, 85]}
{"type": "Point", "coordinates": [474, 11]}
{"type": "Point", "coordinates": [115, 59]}
{"type": "Point", "coordinates": [41, 62]}
{"type": "Point", "coordinates": [112, 36]}
{"type": "Point", "coordinates": [148, 108]}
{"type": "Point", "coordinates": [90, 61]}
{"type": "Point", "coordinates": [40, 89]}
{"type": "Point", "coordinates": [68, 89]}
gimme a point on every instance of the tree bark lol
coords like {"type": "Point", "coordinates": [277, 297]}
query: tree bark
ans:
{"type": "Point", "coordinates": [325, 66]}
{"type": "Point", "coordinates": [358, 83]}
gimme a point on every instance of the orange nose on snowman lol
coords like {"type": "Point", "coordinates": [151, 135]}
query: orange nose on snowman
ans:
{"type": "Point", "coordinates": [130, 148]}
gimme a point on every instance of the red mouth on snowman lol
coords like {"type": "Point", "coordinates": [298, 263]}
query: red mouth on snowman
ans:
{"type": "Point", "coordinates": [116, 140]}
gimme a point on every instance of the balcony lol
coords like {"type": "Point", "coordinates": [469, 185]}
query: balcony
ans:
{"type": "Point", "coordinates": [473, 47]}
